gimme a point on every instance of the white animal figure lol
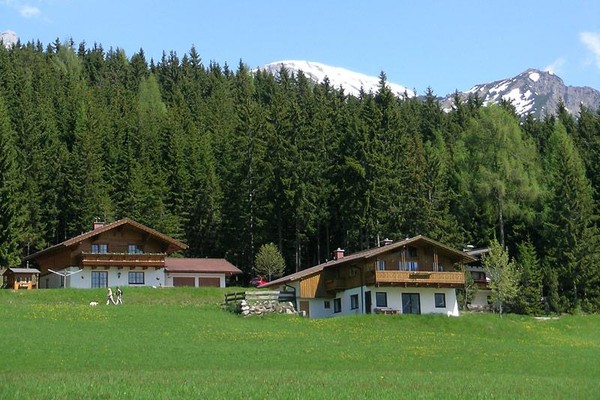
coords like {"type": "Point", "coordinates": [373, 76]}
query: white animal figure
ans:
{"type": "Point", "coordinates": [93, 303]}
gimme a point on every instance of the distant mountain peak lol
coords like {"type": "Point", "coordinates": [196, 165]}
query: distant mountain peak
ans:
{"type": "Point", "coordinates": [8, 38]}
{"type": "Point", "coordinates": [350, 81]}
{"type": "Point", "coordinates": [534, 92]}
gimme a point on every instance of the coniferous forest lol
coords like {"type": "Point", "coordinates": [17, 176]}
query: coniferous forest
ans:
{"type": "Point", "coordinates": [227, 160]}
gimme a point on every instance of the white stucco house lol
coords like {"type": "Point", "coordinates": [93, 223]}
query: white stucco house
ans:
{"type": "Point", "coordinates": [414, 276]}
{"type": "Point", "coordinates": [125, 253]}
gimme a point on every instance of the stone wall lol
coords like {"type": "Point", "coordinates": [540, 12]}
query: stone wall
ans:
{"type": "Point", "coordinates": [263, 307]}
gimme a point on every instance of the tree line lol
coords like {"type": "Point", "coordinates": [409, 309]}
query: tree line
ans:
{"type": "Point", "coordinates": [228, 160]}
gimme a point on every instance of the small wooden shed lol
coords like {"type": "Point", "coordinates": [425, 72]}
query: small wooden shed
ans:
{"type": "Point", "coordinates": [22, 278]}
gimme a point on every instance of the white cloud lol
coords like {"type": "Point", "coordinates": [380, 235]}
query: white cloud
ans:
{"type": "Point", "coordinates": [26, 10]}
{"type": "Point", "coordinates": [29, 11]}
{"type": "Point", "coordinates": [556, 66]}
{"type": "Point", "coordinates": [592, 42]}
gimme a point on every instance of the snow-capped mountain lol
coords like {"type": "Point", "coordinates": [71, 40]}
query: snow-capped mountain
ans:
{"type": "Point", "coordinates": [351, 81]}
{"type": "Point", "coordinates": [534, 92]}
{"type": "Point", "coordinates": [8, 38]}
{"type": "Point", "coordinates": [531, 92]}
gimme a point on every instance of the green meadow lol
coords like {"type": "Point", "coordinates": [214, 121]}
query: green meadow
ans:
{"type": "Point", "coordinates": [179, 344]}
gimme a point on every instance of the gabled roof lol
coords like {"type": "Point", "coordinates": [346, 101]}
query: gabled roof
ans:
{"type": "Point", "coordinates": [215, 265]}
{"type": "Point", "coordinates": [22, 271]}
{"type": "Point", "coordinates": [174, 245]}
{"type": "Point", "coordinates": [369, 253]}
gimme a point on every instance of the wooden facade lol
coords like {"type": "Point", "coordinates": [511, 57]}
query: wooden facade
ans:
{"type": "Point", "coordinates": [120, 244]}
{"type": "Point", "coordinates": [416, 262]}
{"type": "Point", "coordinates": [22, 278]}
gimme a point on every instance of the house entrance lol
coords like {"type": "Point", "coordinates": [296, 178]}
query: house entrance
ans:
{"type": "Point", "coordinates": [411, 303]}
{"type": "Point", "coordinates": [368, 302]}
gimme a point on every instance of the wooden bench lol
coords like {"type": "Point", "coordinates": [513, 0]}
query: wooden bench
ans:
{"type": "Point", "coordinates": [386, 311]}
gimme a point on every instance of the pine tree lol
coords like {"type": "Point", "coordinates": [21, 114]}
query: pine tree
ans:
{"type": "Point", "coordinates": [269, 262]}
{"type": "Point", "coordinates": [503, 274]}
{"type": "Point", "coordinates": [87, 191]}
{"type": "Point", "coordinates": [11, 213]}
{"type": "Point", "coordinates": [529, 297]}
{"type": "Point", "coordinates": [569, 229]}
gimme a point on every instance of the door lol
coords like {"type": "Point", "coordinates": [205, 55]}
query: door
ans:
{"type": "Point", "coordinates": [411, 303]}
{"type": "Point", "coordinates": [368, 302]}
{"type": "Point", "coordinates": [305, 307]}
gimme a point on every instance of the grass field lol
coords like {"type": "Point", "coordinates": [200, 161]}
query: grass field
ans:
{"type": "Point", "coordinates": [179, 344]}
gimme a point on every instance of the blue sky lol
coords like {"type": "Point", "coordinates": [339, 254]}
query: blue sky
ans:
{"type": "Point", "coordinates": [445, 45]}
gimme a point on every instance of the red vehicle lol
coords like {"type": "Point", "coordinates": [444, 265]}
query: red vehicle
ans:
{"type": "Point", "coordinates": [257, 281]}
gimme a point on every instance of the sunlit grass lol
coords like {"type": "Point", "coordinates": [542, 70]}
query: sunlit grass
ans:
{"type": "Point", "coordinates": [178, 343]}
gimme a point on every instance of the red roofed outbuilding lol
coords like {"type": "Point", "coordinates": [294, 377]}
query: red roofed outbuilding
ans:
{"type": "Point", "coordinates": [198, 272]}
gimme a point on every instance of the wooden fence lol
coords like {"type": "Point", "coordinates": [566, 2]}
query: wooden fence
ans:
{"type": "Point", "coordinates": [260, 295]}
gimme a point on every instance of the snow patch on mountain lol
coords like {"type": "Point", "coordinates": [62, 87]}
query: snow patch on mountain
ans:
{"type": "Point", "coordinates": [532, 92]}
{"type": "Point", "coordinates": [351, 81]}
{"type": "Point", "coordinates": [8, 38]}
{"type": "Point", "coordinates": [534, 76]}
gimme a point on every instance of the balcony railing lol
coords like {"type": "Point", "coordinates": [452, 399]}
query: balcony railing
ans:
{"type": "Point", "coordinates": [420, 278]}
{"type": "Point", "coordinates": [156, 260]}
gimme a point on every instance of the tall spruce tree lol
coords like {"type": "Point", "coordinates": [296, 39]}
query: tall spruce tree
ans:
{"type": "Point", "coordinates": [87, 191]}
{"type": "Point", "coordinates": [11, 212]}
{"type": "Point", "coordinates": [529, 297]}
{"type": "Point", "coordinates": [571, 238]}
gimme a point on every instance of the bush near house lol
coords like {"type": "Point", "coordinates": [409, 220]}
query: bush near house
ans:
{"type": "Point", "coordinates": [179, 343]}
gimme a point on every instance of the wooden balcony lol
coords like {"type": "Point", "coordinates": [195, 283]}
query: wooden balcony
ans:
{"type": "Point", "coordinates": [154, 260]}
{"type": "Point", "coordinates": [420, 278]}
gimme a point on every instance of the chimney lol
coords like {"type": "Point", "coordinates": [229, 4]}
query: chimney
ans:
{"type": "Point", "coordinates": [97, 225]}
{"type": "Point", "coordinates": [338, 254]}
{"type": "Point", "coordinates": [386, 241]}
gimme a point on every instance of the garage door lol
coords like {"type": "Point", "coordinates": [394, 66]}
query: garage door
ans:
{"type": "Point", "coordinates": [184, 281]}
{"type": "Point", "coordinates": [210, 282]}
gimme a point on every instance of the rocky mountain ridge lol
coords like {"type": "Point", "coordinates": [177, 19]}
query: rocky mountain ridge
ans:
{"type": "Point", "coordinates": [534, 92]}
{"type": "Point", "coordinates": [531, 92]}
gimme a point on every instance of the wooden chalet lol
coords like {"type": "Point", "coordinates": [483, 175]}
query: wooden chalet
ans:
{"type": "Point", "coordinates": [416, 275]}
{"type": "Point", "coordinates": [120, 253]}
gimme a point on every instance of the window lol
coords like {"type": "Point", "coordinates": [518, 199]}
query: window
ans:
{"type": "Point", "coordinates": [99, 248]}
{"type": "Point", "coordinates": [134, 249]}
{"type": "Point", "coordinates": [412, 266]}
{"type": "Point", "coordinates": [354, 301]}
{"type": "Point", "coordinates": [381, 265]}
{"type": "Point", "coordinates": [99, 279]}
{"type": "Point", "coordinates": [478, 275]}
{"type": "Point", "coordinates": [411, 252]}
{"type": "Point", "coordinates": [381, 299]}
{"type": "Point", "coordinates": [327, 304]}
{"type": "Point", "coordinates": [337, 305]}
{"type": "Point", "coordinates": [440, 300]}
{"type": "Point", "coordinates": [136, 277]}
